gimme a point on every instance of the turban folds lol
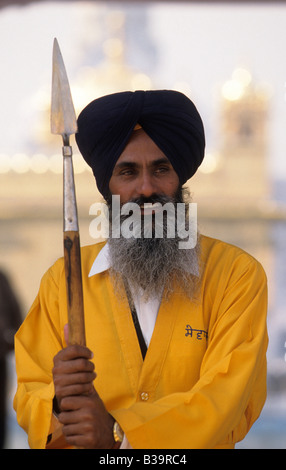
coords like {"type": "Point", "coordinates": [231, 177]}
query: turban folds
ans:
{"type": "Point", "coordinates": [169, 118]}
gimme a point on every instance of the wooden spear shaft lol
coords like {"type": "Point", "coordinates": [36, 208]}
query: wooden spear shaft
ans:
{"type": "Point", "coordinates": [72, 254]}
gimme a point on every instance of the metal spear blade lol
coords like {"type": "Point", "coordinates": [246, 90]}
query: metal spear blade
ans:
{"type": "Point", "coordinates": [63, 117]}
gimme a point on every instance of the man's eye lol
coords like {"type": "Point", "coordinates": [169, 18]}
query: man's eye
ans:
{"type": "Point", "coordinates": [127, 172]}
{"type": "Point", "coordinates": [162, 169]}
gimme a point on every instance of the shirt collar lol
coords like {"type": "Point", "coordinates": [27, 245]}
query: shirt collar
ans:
{"type": "Point", "coordinates": [102, 263]}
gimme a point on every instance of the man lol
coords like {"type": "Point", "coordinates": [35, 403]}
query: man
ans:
{"type": "Point", "coordinates": [10, 320]}
{"type": "Point", "coordinates": [176, 337]}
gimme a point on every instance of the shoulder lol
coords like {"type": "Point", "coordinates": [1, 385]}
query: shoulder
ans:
{"type": "Point", "coordinates": [88, 254]}
{"type": "Point", "coordinates": [227, 259]}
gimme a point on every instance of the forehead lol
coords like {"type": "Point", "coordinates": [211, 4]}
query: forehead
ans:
{"type": "Point", "coordinates": [141, 148]}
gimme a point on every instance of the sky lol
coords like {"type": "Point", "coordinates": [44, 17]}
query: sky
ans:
{"type": "Point", "coordinates": [196, 46]}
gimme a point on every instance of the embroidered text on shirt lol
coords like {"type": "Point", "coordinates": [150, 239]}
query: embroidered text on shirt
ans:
{"type": "Point", "coordinates": [199, 333]}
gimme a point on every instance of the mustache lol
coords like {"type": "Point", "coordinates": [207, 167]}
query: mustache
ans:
{"type": "Point", "coordinates": [160, 198]}
{"type": "Point", "coordinates": [179, 196]}
{"type": "Point", "coordinates": [155, 198]}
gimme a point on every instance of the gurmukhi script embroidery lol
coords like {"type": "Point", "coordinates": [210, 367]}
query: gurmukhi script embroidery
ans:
{"type": "Point", "coordinates": [198, 333]}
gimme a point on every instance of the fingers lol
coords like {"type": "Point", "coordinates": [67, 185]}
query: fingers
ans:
{"type": "Point", "coordinates": [74, 351]}
{"type": "Point", "coordinates": [73, 372]}
{"type": "Point", "coordinates": [73, 404]}
{"type": "Point", "coordinates": [63, 391]}
{"type": "Point", "coordinates": [73, 366]}
{"type": "Point", "coordinates": [86, 422]}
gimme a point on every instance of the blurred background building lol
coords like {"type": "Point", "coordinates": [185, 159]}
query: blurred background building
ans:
{"type": "Point", "coordinates": [228, 58]}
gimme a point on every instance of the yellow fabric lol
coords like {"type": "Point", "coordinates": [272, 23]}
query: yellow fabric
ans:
{"type": "Point", "coordinates": [203, 381]}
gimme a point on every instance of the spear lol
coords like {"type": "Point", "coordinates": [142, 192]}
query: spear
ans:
{"type": "Point", "coordinates": [63, 122]}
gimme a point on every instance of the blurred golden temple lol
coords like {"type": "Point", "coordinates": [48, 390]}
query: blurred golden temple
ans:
{"type": "Point", "coordinates": [232, 183]}
{"type": "Point", "coordinates": [234, 187]}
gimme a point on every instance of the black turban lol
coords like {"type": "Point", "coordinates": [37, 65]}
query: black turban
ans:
{"type": "Point", "coordinates": [169, 118]}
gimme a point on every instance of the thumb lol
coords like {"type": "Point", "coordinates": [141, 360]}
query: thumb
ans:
{"type": "Point", "coordinates": [66, 333]}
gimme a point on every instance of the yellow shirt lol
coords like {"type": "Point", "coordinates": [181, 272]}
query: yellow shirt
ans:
{"type": "Point", "coordinates": [203, 381]}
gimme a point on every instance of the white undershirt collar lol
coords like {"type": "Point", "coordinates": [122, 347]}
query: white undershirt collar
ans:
{"type": "Point", "coordinates": [147, 311]}
{"type": "Point", "coordinates": [102, 262]}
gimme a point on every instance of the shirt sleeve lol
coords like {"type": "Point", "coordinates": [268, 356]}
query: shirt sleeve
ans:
{"type": "Point", "coordinates": [36, 343]}
{"type": "Point", "coordinates": [231, 390]}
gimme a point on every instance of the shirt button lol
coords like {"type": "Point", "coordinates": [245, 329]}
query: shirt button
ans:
{"type": "Point", "coordinates": [144, 396]}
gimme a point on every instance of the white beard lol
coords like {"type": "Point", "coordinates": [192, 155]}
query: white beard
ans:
{"type": "Point", "coordinates": [155, 263]}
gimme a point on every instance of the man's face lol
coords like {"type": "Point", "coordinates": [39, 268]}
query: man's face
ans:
{"type": "Point", "coordinates": [143, 174]}
{"type": "Point", "coordinates": [143, 171]}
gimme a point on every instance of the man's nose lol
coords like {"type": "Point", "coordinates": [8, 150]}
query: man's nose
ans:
{"type": "Point", "coordinates": [146, 186]}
